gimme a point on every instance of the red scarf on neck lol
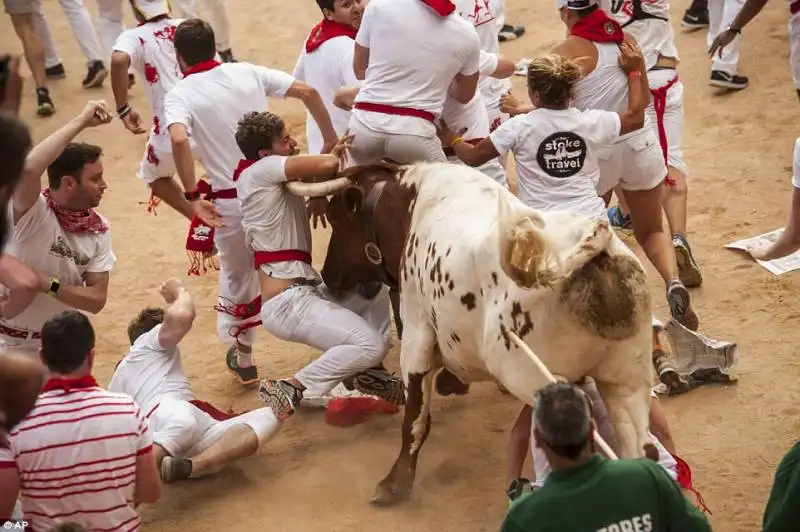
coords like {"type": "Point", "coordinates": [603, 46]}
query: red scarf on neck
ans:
{"type": "Point", "coordinates": [598, 27]}
{"type": "Point", "coordinates": [441, 7]}
{"type": "Point", "coordinates": [327, 30]}
{"type": "Point", "coordinates": [84, 222]}
{"type": "Point", "coordinates": [87, 381]}
{"type": "Point", "coordinates": [202, 66]}
{"type": "Point", "coordinates": [243, 165]}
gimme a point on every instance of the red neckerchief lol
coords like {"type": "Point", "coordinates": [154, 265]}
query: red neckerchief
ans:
{"type": "Point", "coordinates": [154, 19]}
{"type": "Point", "coordinates": [327, 30]}
{"type": "Point", "coordinates": [597, 26]}
{"type": "Point", "coordinates": [202, 66]}
{"type": "Point", "coordinates": [87, 381]}
{"type": "Point", "coordinates": [77, 222]}
{"type": "Point", "coordinates": [440, 7]}
{"type": "Point", "coordinates": [243, 165]}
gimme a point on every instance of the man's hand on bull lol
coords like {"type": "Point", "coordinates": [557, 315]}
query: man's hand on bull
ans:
{"type": "Point", "coordinates": [317, 207]}
{"type": "Point", "coordinates": [342, 146]}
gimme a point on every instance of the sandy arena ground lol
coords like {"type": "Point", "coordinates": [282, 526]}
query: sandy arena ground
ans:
{"type": "Point", "coordinates": [316, 478]}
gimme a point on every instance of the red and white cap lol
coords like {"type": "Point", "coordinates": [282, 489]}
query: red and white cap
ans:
{"type": "Point", "coordinates": [150, 9]}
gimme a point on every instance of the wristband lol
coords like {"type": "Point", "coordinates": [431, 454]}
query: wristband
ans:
{"type": "Point", "coordinates": [635, 74]}
{"type": "Point", "coordinates": [193, 195]}
{"type": "Point", "coordinates": [54, 286]}
{"type": "Point", "coordinates": [456, 141]}
{"type": "Point", "coordinates": [737, 31]}
{"type": "Point", "coordinates": [123, 111]}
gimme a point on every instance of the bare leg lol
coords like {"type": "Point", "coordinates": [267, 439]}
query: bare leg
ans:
{"type": "Point", "coordinates": [168, 190]}
{"type": "Point", "coordinates": [238, 442]}
{"type": "Point", "coordinates": [675, 201]}
{"type": "Point", "coordinates": [648, 228]}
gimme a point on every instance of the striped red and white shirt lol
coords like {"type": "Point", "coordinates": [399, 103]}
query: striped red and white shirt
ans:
{"type": "Point", "coordinates": [76, 456]}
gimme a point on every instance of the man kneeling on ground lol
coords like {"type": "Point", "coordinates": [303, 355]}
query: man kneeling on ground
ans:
{"type": "Point", "coordinates": [191, 437]}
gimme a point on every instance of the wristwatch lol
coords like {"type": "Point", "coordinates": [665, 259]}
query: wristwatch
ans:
{"type": "Point", "coordinates": [192, 195]}
{"type": "Point", "coordinates": [517, 487]}
{"type": "Point", "coordinates": [54, 286]}
{"type": "Point", "coordinates": [737, 31]}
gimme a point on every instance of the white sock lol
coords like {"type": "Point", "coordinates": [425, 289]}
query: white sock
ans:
{"type": "Point", "coordinates": [244, 360]}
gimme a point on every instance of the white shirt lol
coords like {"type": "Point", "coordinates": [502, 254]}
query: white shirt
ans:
{"type": "Point", "coordinates": [274, 219]}
{"type": "Point", "coordinates": [76, 455]}
{"type": "Point", "coordinates": [210, 104]}
{"type": "Point", "coordinates": [654, 35]}
{"type": "Point", "coordinates": [327, 69]}
{"type": "Point", "coordinates": [152, 53]}
{"type": "Point", "coordinates": [39, 241]}
{"type": "Point", "coordinates": [555, 153]}
{"type": "Point", "coordinates": [414, 54]}
{"type": "Point", "coordinates": [149, 372]}
{"type": "Point", "coordinates": [480, 14]}
{"type": "Point", "coordinates": [606, 87]}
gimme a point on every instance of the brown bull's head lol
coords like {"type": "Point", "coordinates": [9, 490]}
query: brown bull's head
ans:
{"type": "Point", "coordinates": [369, 217]}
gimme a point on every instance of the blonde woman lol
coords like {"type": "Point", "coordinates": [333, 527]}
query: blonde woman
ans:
{"type": "Point", "coordinates": [555, 144]}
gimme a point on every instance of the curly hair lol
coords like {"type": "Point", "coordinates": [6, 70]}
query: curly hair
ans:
{"type": "Point", "coordinates": [144, 322]}
{"type": "Point", "coordinates": [554, 78]}
{"type": "Point", "coordinates": [257, 131]}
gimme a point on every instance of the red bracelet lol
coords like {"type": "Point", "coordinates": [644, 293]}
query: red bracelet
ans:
{"type": "Point", "coordinates": [634, 73]}
{"type": "Point", "coordinates": [192, 196]}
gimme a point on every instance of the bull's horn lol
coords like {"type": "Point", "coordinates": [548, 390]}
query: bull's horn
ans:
{"type": "Point", "coordinates": [318, 190]}
{"type": "Point", "coordinates": [606, 448]}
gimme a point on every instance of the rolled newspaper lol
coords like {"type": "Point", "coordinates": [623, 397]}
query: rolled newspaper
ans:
{"type": "Point", "coordinates": [606, 448]}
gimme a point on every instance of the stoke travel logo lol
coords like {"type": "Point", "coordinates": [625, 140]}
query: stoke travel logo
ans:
{"type": "Point", "coordinates": [562, 154]}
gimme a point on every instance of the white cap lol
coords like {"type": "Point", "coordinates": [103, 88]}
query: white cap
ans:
{"type": "Point", "coordinates": [151, 8]}
{"type": "Point", "coordinates": [576, 5]}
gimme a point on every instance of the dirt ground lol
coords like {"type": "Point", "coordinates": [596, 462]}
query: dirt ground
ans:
{"type": "Point", "coordinates": [313, 477]}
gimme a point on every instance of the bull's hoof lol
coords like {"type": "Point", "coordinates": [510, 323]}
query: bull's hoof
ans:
{"type": "Point", "coordinates": [386, 496]}
{"type": "Point", "coordinates": [449, 384]}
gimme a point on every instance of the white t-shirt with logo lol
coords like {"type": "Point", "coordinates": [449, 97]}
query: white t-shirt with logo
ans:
{"type": "Point", "coordinates": [210, 104]}
{"type": "Point", "coordinates": [149, 372]}
{"type": "Point", "coordinates": [327, 69]}
{"type": "Point", "coordinates": [414, 54]}
{"type": "Point", "coordinates": [152, 53]}
{"type": "Point", "coordinates": [274, 219]}
{"type": "Point", "coordinates": [480, 14]}
{"type": "Point", "coordinates": [555, 153]}
{"type": "Point", "coordinates": [39, 241]}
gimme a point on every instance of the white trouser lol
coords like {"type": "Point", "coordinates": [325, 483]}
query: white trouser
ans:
{"type": "Point", "coordinates": [370, 146]}
{"type": "Point", "coordinates": [720, 15]}
{"type": "Point", "coordinates": [10, 344]}
{"type": "Point", "coordinates": [157, 161]}
{"type": "Point", "coordinates": [82, 29]}
{"type": "Point", "coordinates": [109, 24]}
{"type": "Point", "coordinates": [794, 48]}
{"type": "Point", "coordinates": [352, 333]}
{"type": "Point", "coordinates": [216, 14]}
{"type": "Point", "coordinates": [796, 164]}
{"type": "Point", "coordinates": [238, 280]}
{"type": "Point", "coordinates": [672, 119]}
{"type": "Point", "coordinates": [184, 430]}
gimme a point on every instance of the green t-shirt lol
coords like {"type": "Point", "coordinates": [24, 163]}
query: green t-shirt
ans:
{"type": "Point", "coordinates": [606, 496]}
{"type": "Point", "coordinates": [782, 513]}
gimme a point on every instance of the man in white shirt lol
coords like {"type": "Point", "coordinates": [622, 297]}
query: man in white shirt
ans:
{"type": "Point", "coordinates": [206, 105]}
{"type": "Point", "coordinates": [149, 50]}
{"type": "Point", "coordinates": [58, 233]}
{"type": "Point", "coordinates": [352, 331]}
{"type": "Point", "coordinates": [191, 437]}
{"type": "Point", "coordinates": [410, 55]}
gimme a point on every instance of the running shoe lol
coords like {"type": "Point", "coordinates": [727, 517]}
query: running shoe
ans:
{"type": "Point", "coordinates": [680, 305]}
{"type": "Point", "coordinates": [174, 469]}
{"type": "Point", "coordinates": [688, 270]}
{"type": "Point", "coordinates": [246, 376]}
{"type": "Point", "coordinates": [382, 384]}
{"type": "Point", "coordinates": [281, 397]}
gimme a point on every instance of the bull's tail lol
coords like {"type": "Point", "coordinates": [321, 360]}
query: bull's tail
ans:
{"type": "Point", "coordinates": [526, 254]}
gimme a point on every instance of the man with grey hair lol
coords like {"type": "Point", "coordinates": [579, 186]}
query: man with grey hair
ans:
{"type": "Point", "coordinates": [586, 491]}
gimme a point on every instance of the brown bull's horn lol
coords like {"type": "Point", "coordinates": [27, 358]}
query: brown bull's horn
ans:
{"type": "Point", "coordinates": [318, 190]}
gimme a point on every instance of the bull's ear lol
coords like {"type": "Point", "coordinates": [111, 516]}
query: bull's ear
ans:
{"type": "Point", "coordinates": [353, 200]}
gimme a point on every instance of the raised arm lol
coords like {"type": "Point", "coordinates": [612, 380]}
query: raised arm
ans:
{"type": "Point", "coordinates": [316, 107]}
{"type": "Point", "coordinates": [179, 317]}
{"type": "Point", "coordinates": [47, 151]}
{"type": "Point", "coordinates": [631, 61]}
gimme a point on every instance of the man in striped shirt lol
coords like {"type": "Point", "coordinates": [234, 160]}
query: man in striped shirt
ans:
{"type": "Point", "coordinates": [82, 454]}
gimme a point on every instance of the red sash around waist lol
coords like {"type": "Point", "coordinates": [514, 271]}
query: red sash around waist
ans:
{"type": "Point", "coordinates": [660, 107]}
{"type": "Point", "coordinates": [269, 257]}
{"type": "Point", "coordinates": [393, 110]}
{"type": "Point", "coordinates": [794, 7]}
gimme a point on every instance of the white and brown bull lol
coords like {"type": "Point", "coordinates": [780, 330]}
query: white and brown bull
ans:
{"type": "Point", "coordinates": [473, 263]}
